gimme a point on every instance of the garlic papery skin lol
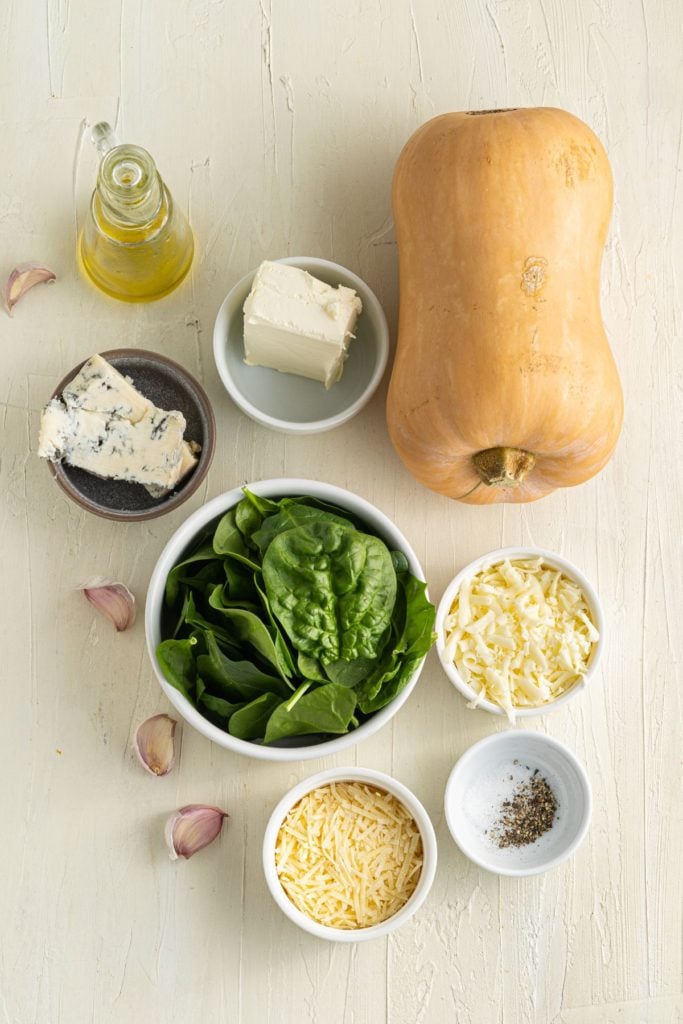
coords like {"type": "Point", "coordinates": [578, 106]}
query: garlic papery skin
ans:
{"type": "Point", "coordinates": [191, 829]}
{"type": "Point", "coordinates": [154, 744]}
{"type": "Point", "coordinates": [23, 277]}
{"type": "Point", "coordinates": [113, 600]}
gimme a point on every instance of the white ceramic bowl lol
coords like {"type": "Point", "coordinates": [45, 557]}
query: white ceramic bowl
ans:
{"type": "Point", "coordinates": [172, 554]}
{"type": "Point", "coordinates": [476, 784]}
{"type": "Point", "coordinates": [285, 401]}
{"type": "Point", "coordinates": [382, 781]}
{"type": "Point", "coordinates": [556, 562]}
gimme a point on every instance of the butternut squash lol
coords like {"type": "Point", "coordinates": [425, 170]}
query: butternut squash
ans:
{"type": "Point", "coordinates": [504, 386]}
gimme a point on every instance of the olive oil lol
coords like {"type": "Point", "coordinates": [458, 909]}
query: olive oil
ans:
{"type": "Point", "coordinates": [135, 245]}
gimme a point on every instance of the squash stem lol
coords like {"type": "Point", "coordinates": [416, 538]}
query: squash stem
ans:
{"type": "Point", "coordinates": [503, 467]}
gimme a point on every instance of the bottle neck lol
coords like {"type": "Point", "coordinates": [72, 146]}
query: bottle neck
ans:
{"type": "Point", "coordinates": [129, 189]}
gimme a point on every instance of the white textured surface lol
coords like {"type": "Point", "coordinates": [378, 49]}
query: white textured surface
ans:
{"type": "Point", "coordinates": [277, 125]}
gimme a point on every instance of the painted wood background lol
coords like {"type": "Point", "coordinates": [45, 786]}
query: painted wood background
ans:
{"type": "Point", "coordinates": [277, 125]}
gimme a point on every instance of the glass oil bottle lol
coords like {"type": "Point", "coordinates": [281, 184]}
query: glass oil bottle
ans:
{"type": "Point", "coordinates": [136, 245]}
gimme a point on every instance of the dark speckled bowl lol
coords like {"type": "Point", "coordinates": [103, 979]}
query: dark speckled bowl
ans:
{"type": "Point", "coordinates": [169, 386]}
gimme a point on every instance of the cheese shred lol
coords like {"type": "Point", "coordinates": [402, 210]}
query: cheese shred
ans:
{"type": "Point", "coordinates": [349, 855]}
{"type": "Point", "coordinates": [520, 633]}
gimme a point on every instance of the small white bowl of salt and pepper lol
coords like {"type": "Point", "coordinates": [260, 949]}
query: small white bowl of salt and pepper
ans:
{"type": "Point", "coordinates": [518, 803]}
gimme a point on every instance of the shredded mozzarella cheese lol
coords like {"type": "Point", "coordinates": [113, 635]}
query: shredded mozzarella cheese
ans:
{"type": "Point", "coordinates": [349, 855]}
{"type": "Point", "coordinates": [520, 633]}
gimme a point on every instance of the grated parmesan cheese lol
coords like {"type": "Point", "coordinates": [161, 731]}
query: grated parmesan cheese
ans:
{"type": "Point", "coordinates": [520, 633]}
{"type": "Point", "coordinates": [348, 855]}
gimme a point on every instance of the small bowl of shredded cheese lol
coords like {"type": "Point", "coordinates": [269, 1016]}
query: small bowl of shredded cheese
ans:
{"type": "Point", "coordinates": [519, 631]}
{"type": "Point", "coordinates": [349, 854]}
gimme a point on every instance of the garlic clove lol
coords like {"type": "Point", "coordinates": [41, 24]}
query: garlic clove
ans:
{"type": "Point", "coordinates": [191, 829]}
{"type": "Point", "coordinates": [23, 277]}
{"type": "Point", "coordinates": [154, 745]}
{"type": "Point", "coordinates": [111, 599]}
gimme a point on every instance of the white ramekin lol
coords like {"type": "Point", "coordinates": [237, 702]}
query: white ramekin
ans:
{"type": "Point", "coordinates": [284, 401]}
{"type": "Point", "coordinates": [382, 781]}
{"type": "Point", "coordinates": [172, 554]}
{"type": "Point", "coordinates": [556, 562]}
{"type": "Point", "coordinates": [564, 773]}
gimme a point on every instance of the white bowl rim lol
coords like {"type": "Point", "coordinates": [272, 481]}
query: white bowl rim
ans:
{"type": "Point", "coordinates": [498, 555]}
{"type": "Point", "coordinates": [167, 559]}
{"type": "Point", "coordinates": [490, 741]}
{"type": "Point", "coordinates": [421, 818]}
{"type": "Point", "coordinates": [292, 426]}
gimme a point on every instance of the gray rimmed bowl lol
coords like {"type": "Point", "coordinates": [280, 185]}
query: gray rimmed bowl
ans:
{"type": "Point", "coordinates": [169, 386]}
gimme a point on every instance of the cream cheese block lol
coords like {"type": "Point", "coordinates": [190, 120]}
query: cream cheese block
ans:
{"type": "Point", "coordinates": [295, 323]}
{"type": "Point", "coordinates": [103, 425]}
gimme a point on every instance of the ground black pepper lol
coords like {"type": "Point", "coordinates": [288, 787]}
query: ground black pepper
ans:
{"type": "Point", "coordinates": [527, 815]}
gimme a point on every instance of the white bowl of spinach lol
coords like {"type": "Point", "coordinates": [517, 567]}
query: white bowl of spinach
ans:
{"type": "Point", "coordinates": [288, 619]}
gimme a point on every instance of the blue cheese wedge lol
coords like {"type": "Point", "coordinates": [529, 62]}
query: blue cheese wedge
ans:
{"type": "Point", "coordinates": [99, 387]}
{"type": "Point", "coordinates": [103, 425]}
{"type": "Point", "coordinates": [295, 323]}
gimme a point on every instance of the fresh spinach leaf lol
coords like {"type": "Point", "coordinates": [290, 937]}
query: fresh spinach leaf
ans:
{"type": "Point", "coordinates": [176, 659]}
{"type": "Point", "coordinates": [248, 628]}
{"type": "Point", "coordinates": [237, 680]}
{"type": "Point", "coordinates": [310, 668]}
{"type": "Point", "coordinates": [350, 673]}
{"type": "Point", "coordinates": [281, 645]}
{"type": "Point", "coordinates": [227, 540]}
{"type": "Point", "coordinates": [412, 629]}
{"type": "Point", "coordinates": [224, 599]}
{"type": "Point", "coordinates": [368, 690]}
{"type": "Point", "coordinates": [390, 688]}
{"type": "Point", "coordinates": [247, 519]}
{"type": "Point", "coordinates": [326, 506]}
{"type": "Point", "coordinates": [204, 579]}
{"type": "Point", "coordinates": [332, 588]}
{"type": "Point", "coordinates": [400, 562]}
{"type": "Point", "coordinates": [263, 505]}
{"type": "Point", "coordinates": [290, 515]}
{"type": "Point", "coordinates": [244, 560]}
{"type": "Point", "coordinates": [250, 722]}
{"type": "Point", "coordinates": [240, 581]}
{"type": "Point", "coordinates": [328, 709]}
{"type": "Point", "coordinates": [204, 554]}
{"type": "Point", "coordinates": [194, 618]}
{"type": "Point", "coordinates": [216, 709]}
{"type": "Point", "coordinates": [418, 632]}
